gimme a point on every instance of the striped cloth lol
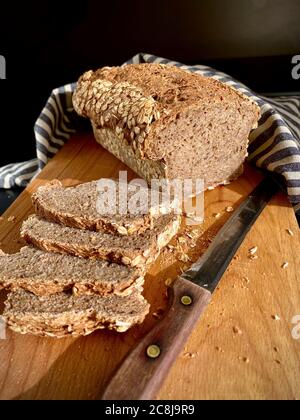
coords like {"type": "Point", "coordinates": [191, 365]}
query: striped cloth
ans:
{"type": "Point", "coordinates": [274, 145]}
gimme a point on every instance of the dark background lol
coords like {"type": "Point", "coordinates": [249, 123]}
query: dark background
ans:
{"type": "Point", "coordinates": [49, 43]}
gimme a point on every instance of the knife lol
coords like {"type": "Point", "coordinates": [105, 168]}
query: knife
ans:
{"type": "Point", "coordinates": [145, 368]}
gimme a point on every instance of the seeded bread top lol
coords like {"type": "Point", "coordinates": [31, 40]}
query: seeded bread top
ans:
{"type": "Point", "coordinates": [139, 100]}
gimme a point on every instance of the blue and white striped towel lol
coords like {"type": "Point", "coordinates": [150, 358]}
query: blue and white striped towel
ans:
{"type": "Point", "coordinates": [274, 145]}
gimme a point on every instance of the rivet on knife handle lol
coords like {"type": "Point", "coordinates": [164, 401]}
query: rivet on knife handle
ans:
{"type": "Point", "coordinates": [146, 367]}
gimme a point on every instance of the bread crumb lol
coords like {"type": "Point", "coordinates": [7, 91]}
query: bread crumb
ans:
{"type": "Point", "coordinates": [253, 257]}
{"type": "Point", "coordinates": [229, 209]}
{"type": "Point", "coordinates": [11, 219]}
{"type": "Point", "coordinates": [236, 330]}
{"type": "Point", "coordinates": [276, 317]}
{"type": "Point", "coordinates": [285, 265]}
{"type": "Point", "coordinates": [290, 232]}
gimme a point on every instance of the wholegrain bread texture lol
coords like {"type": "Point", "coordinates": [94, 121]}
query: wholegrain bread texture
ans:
{"type": "Point", "coordinates": [63, 314]}
{"type": "Point", "coordinates": [79, 206]}
{"type": "Point", "coordinates": [45, 273]}
{"type": "Point", "coordinates": [165, 122]}
{"type": "Point", "coordinates": [134, 250]}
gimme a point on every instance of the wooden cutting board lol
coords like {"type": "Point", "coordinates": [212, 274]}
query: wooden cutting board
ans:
{"type": "Point", "coordinates": [241, 349]}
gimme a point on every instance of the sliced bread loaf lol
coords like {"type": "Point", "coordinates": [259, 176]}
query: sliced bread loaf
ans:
{"type": "Point", "coordinates": [134, 250]}
{"type": "Point", "coordinates": [79, 207]}
{"type": "Point", "coordinates": [62, 314]}
{"type": "Point", "coordinates": [45, 273]}
{"type": "Point", "coordinates": [165, 122]}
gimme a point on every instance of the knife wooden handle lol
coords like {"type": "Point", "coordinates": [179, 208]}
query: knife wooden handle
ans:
{"type": "Point", "coordinates": [143, 370]}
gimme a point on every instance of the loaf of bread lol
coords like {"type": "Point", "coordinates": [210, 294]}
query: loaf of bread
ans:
{"type": "Point", "coordinates": [134, 250]}
{"type": "Point", "coordinates": [165, 122]}
{"type": "Point", "coordinates": [63, 314]}
{"type": "Point", "coordinates": [46, 273]}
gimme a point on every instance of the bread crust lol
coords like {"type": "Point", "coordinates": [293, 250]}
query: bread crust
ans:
{"type": "Point", "coordinates": [131, 108]}
{"type": "Point", "coordinates": [63, 315]}
{"type": "Point", "coordinates": [138, 251]}
{"type": "Point", "coordinates": [25, 270]}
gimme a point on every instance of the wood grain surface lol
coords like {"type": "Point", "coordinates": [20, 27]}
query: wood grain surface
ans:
{"type": "Point", "coordinates": [241, 349]}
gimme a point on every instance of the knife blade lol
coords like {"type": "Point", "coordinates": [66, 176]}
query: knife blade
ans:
{"type": "Point", "coordinates": [143, 371]}
{"type": "Point", "coordinates": [209, 269]}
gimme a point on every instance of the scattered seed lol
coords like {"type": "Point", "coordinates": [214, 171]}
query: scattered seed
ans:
{"type": "Point", "coordinates": [11, 219]}
{"type": "Point", "coordinates": [217, 215]}
{"type": "Point", "coordinates": [278, 362]}
{"type": "Point", "coordinates": [184, 258]}
{"type": "Point", "coordinates": [171, 247]}
{"type": "Point", "coordinates": [253, 250]}
{"type": "Point", "coordinates": [168, 282]}
{"type": "Point", "coordinates": [75, 290]}
{"type": "Point", "coordinates": [122, 230]}
{"type": "Point", "coordinates": [290, 232]}
{"type": "Point", "coordinates": [189, 355]}
{"type": "Point", "coordinates": [229, 209]}
{"type": "Point", "coordinates": [253, 257]}
{"type": "Point", "coordinates": [285, 265]}
{"type": "Point", "coordinates": [276, 349]}
{"type": "Point", "coordinates": [276, 317]}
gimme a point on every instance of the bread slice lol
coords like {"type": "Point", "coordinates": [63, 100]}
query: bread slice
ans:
{"type": "Point", "coordinates": [77, 207]}
{"type": "Point", "coordinates": [166, 122]}
{"type": "Point", "coordinates": [45, 273]}
{"type": "Point", "coordinates": [134, 250]}
{"type": "Point", "coordinates": [63, 314]}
